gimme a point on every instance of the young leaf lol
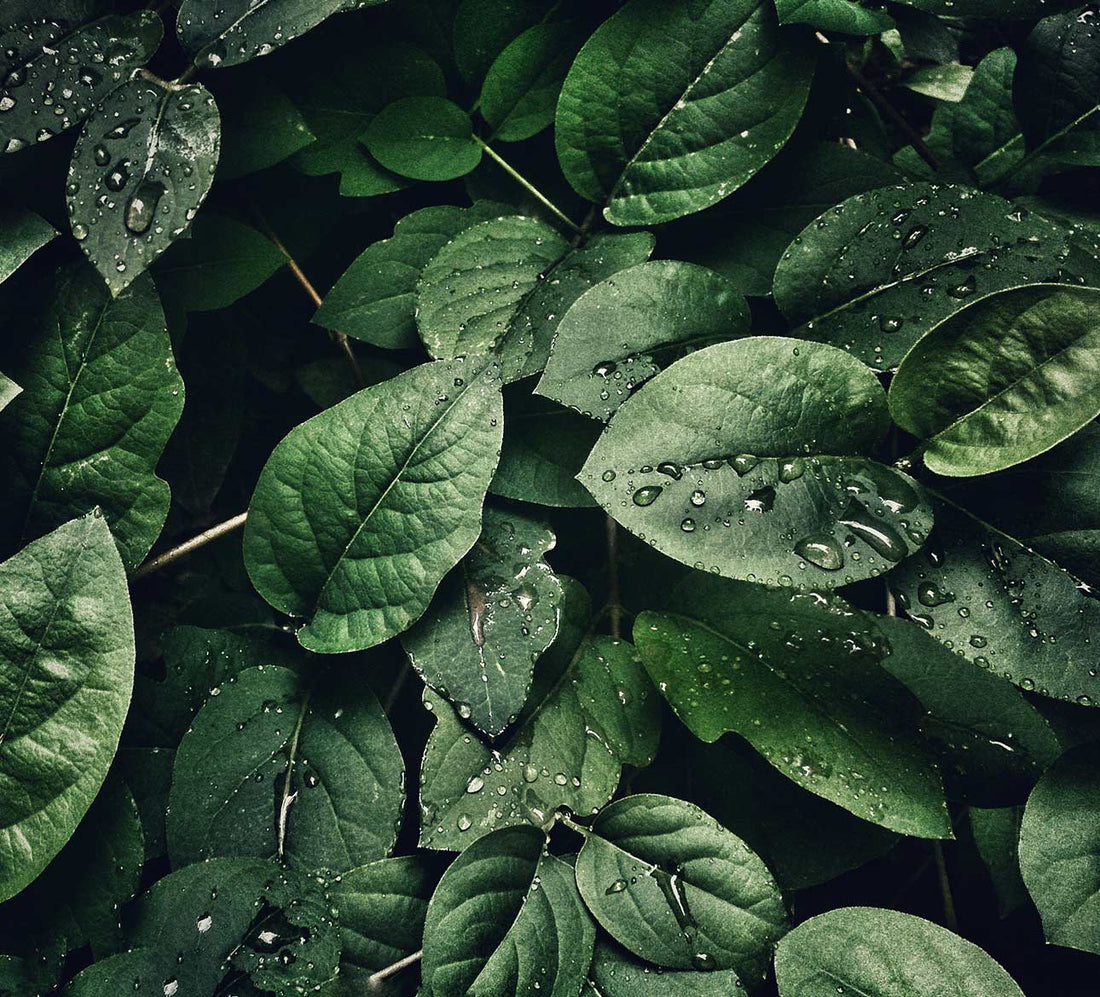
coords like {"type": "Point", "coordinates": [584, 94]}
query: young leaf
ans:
{"type": "Point", "coordinates": [505, 916]}
{"type": "Point", "coordinates": [483, 29]}
{"type": "Point", "coordinates": [884, 953]}
{"type": "Point", "coordinates": [843, 16]}
{"type": "Point", "coordinates": [876, 272]}
{"type": "Point", "coordinates": [101, 395]}
{"type": "Point", "coordinates": [1002, 380]}
{"type": "Point", "coordinates": [616, 973]}
{"type": "Point", "coordinates": [489, 622]}
{"type": "Point", "coordinates": [719, 467]}
{"type": "Point", "coordinates": [56, 69]}
{"type": "Point", "coordinates": [947, 83]}
{"type": "Point", "coordinates": [361, 510]}
{"type": "Point", "coordinates": [276, 765]}
{"type": "Point", "coordinates": [424, 138]}
{"type": "Point", "coordinates": [809, 695]}
{"type": "Point", "coordinates": [604, 346]}
{"type": "Point", "coordinates": [672, 885]}
{"type": "Point", "coordinates": [22, 234]}
{"type": "Point", "coordinates": [670, 107]}
{"type": "Point", "coordinates": [66, 673]}
{"type": "Point", "coordinates": [141, 167]}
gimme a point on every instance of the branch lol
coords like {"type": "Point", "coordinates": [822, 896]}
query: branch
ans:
{"type": "Point", "coordinates": [950, 921]}
{"type": "Point", "coordinates": [528, 186]}
{"type": "Point", "coordinates": [182, 550]}
{"type": "Point", "coordinates": [614, 603]}
{"type": "Point", "coordinates": [375, 980]}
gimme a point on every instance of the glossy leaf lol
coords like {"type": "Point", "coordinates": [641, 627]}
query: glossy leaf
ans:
{"type": "Point", "coordinates": [718, 467]}
{"type": "Point", "coordinates": [22, 234]}
{"type": "Point", "coordinates": [66, 673]}
{"type": "Point", "coordinates": [605, 343]}
{"type": "Point", "coordinates": [616, 973]}
{"type": "Point", "coordinates": [142, 165]}
{"type": "Point", "coordinates": [671, 884]}
{"type": "Point", "coordinates": [101, 395]}
{"type": "Point", "coordinates": [845, 16]}
{"type": "Point", "coordinates": [669, 108]}
{"type": "Point", "coordinates": [361, 510]}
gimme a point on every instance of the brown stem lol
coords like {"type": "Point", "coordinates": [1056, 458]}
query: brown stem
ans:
{"type": "Point", "coordinates": [615, 608]}
{"type": "Point", "coordinates": [182, 550]}
{"type": "Point", "coordinates": [950, 921]}
{"type": "Point", "coordinates": [375, 980]}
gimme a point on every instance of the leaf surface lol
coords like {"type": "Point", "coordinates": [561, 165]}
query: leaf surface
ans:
{"type": "Point", "coordinates": [845, 16]}
{"type": "Point", "coordinates": [423, 138]}
{"type": "Point", "coordinates": [22, 234]}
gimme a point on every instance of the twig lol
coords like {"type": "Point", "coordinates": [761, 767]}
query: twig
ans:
{"type": "Point", "coordinates": [615, 608]}
{"type": "Point", "coordinates": [182, 550]}
{"type": "Point", "coordinates": [287, 796]}
{"type": "Point", "coordinates": [395, 689]}
{"type": "Point", "coordinates": [528, 186]}
{"type": "Point", "coordinates": [950, 921]}
{"type": "Point", "coordinates": [375, 980]}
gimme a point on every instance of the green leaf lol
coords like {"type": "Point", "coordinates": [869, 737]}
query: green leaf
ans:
{"type": "Point", "coordinates": [884, 953]}
{"type": "Point", "coordinates": [382, 910]}
{"type": "Point", "coordinates": [520, 92]}
{"type": "Point", "coordinates": [1003, 607]}
{"type": "Point", "coordinates": [505, 916]}
{"type": "Point", "coordinates": [141, 167]}
{"type": "Point", "coordinates": [809, 694]}
{"type": "Point", "coordinates": [1059, 852]}
{"type": "Point", "coordinates": [717, 462]}
{"type": "Point", "coordinates": [277, 765]}
{"type": "Point", "coordinates": [101, 395]}
{"type": "Point", "coordinates": [424, 138]}
{"type": "Point", "coordinates": [220, 33]}
{"type": "Point", "coordinates": [261, 125]}
{"type": "Point", "coordinates": [489, 622]}
{"type": "Point", "coordinates": [9, 391]}
{"type": "Point", "coordinates": [948, 82]}
{"type": "Point", "coordinates": [672, 885]}
{"type": "Point", "coordinates": [505, 284]}
{"type": "Point", "coordinates": [66, 672]}
{"type": "Point", "coordinates": [993, 743]}
{"type": "Point", "coordinates": [22, 234]}
{"type": "Point", "coordinates": [361, 510]}
{"type": "Point", "coordinates": [916, 255]}
{"type": "Point", "coordinates": [669, 108]}
{"type": "Point", "coordinates": [375, 298]}
{"type": "Point", "coordinates": [996, 836]}
{"type": "Point", "coordinates": [849, 17]}
{"type": "Point", "coordinates": [1002, 380]}
{"type": "Point", "coordinates": [616, 973]}
{"type": "Point", "coordinates": [483, 29]}
{"type": "Point", "coordinates": [56, 69]}
{"type": "Point", "coordinates": [604, 346]}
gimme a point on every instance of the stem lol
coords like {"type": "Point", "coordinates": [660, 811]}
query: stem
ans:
{"type": "Point", "coordinates": [951, 922]}
{"type": "Point", "coordinates": [375, 980]}
{"type": "Point", "coordinates": [215, 532]}
{"type": "Point", "coordinates": [615, 608]}
{"type": "Point", "coordinates": [395, 689]}
{"type": "Point", "coordinates": [527, 185]}
{"type": "Point", "coordinates": [287, 797]}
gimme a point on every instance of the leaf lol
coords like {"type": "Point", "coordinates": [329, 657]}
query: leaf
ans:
{"type": "Point", "coordinates": [22, 234]}
{"type": "Point", "coordinates": [1001, 381]}
{"type": "Point", "coordinates": [669, 108]}
{"type": "Point", "coordinates": [382, 910]}
{"type": "Point", "coordinates": [506, 915]}
{"type": "Point", "coordinates": [809, 695]}
{"type": "Point", "coordinates": [520, 92]}
{"type": "Point", "coordinates": [616, 973]}
{"type": "Point", "coordinates": [558, 754]}
{"type": "Point", "coordinates": [141, 167]}
{"type": "Point", "coordinates": [1025, 618]}
{"type": "Point", "coordinates": [604, 346]}
{"type": "Point", "coordinates": [483, 29]}
{"type": "Point", "coordinates": [261, 125]}
{"type": "Point", "coordinates": [505, 284]}
{"type": "Point", "coordinates": [947, 82]}
{"type": "Point", "coordinates": [361, 510]}
{"type": "Point", "coordinates": [276, 765]}
{"type": "Point", "coordinates": [9, 391]}
{"type": "Point", "coordinates": [375, 298]}
{"type": "Point", "coordinates": [489, 622]}
{"type": "Point", "coordinates": [996, 836]}
{"type": "Point", "coordinates": [917, 254]}
{"type": "Point", "coordinates": [1058, 849]}
{"type": "Point", "coordinates": [844, 16]}
{"type": "Point", "coordinates": [220, 33]}
{"type": "Point", "coordinates": [57, 69]}
{"type": "Point", "coordinates": [716, 462]}
{"type": "Point", "coordinates": [884, 953]}
{"type": "Point", "coordinates": [993, 743]}
{"type": "Point", "coordinates": [424, 138]}
{"type": "Point", "coordinates": [66, 672]}
{"type": "Point", "coordinates": [101, 396]}
{"type": "Point", "coordinates": [672, 885]}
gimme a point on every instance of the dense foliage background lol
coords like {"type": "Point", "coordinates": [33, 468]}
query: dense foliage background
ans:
{"type": "Point", "coordinates": [524, 497]}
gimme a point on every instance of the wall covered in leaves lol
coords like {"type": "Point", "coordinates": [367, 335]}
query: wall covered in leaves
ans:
{"type": "Point", "coordinates": [577, 499]}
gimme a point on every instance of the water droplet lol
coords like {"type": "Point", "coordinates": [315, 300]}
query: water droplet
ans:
{"type": "Point", "coordinates": [617, 887]}
{"type": "Point", "coordinates": [475, 784]}
{"type": "Point", "coordinates": [608, 475]}
{"type": "Point", "coordinates": [671, 470]}
{"type": "Point", "coordinates": [688, 525]}
{"type": "Point", "coordinates": [913, 236]}
{"type": "Point", "coordinates": [142, 206]}
{"type": "Point", "coordinates": [791, 470]}
{"type": "Point", "coordinates": [823, 551]}
{"type": "Point", "coordinates": [101, 155]}
{"type": "Point", "coordinates": [698, 497]}
{"type": "Point", "coordinates": [744, 462]}
{"type": "Point", "coordinates": [647, 495]}
{"type": "Point", "coordinates": [880, 537]}
{"type": "Point", "coordinates": [761, 499]}
{"type": "Point", "coordinates": [80, 232]}
{"type": "Point", "coordinates": [464, 822]}
{"type": "Point", "coordinates": [964, 289]}
{"type": "Point", "coordinates": [890, 323]}
{"type": "Point", "coordinates": [203, 923]}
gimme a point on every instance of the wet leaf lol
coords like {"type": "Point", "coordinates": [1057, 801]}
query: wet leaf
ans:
{"type": "Point", "coordinates": [616, 973]}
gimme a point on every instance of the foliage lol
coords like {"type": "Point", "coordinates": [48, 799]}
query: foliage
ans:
{"type": "Point", "coordinates": [587, 498]}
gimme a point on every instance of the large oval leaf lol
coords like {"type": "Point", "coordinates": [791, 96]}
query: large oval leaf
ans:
{"type": "Point", "coordinates": [670, 107]}
{"type": "Point", "coordinates": [1002, 380]}
{"type": "Point", "coordinates": [424, 138]}
{"type": "Point", "coordinates": [66, 673]}
{"type": "Point", "coordinates": [506, 919]}
{"type": "Point", "coordinates": [141, 167]}
{"type": "Point", "coordinates": [101, 396]}
{"type": "Point", "coordinates": [604, 345]}
{"type": "Point", "coordinates": [361, 510]}
{"type": "Point", "coordinates": [884, 953]}
{"type": "Point", "coordinates": [716, 463]}
{"type": "Point", "coordinates": [671, 884]}
{"type": "Point", "coordinates": [879, 270]}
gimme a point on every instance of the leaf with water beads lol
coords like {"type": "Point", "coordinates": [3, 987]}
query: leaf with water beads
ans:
{"type": "Point", "coordinates": [141, 167]}
{"type": "Point", "coordinates": [616, 973]}
{"type": "Point", "coordinates": [673, 886]}
{"type": "Point", "coordinates": [54, 70]}
{"type": "Point", "coordinates": [506, 919]}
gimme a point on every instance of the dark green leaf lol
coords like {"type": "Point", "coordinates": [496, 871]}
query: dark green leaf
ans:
{"type": "Point", "coordinates": [483, 29]}
{"type": "Point", "coordinates": [261, 125]}
{"type": "Point", "coordinates": [9, 390]}
{"type": "Point", "coordinates": [22, 233]}
{"type": "Point", "coordinates": [947, 82]}
{"type": "Point", "coordinates": [424, 138]}
{"type": "Point", "coordinates": [616, 973]}
{"type": "Point", "coordinates": [996, 836]}
{"type": "Point", "coordinates": [849, 17]}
